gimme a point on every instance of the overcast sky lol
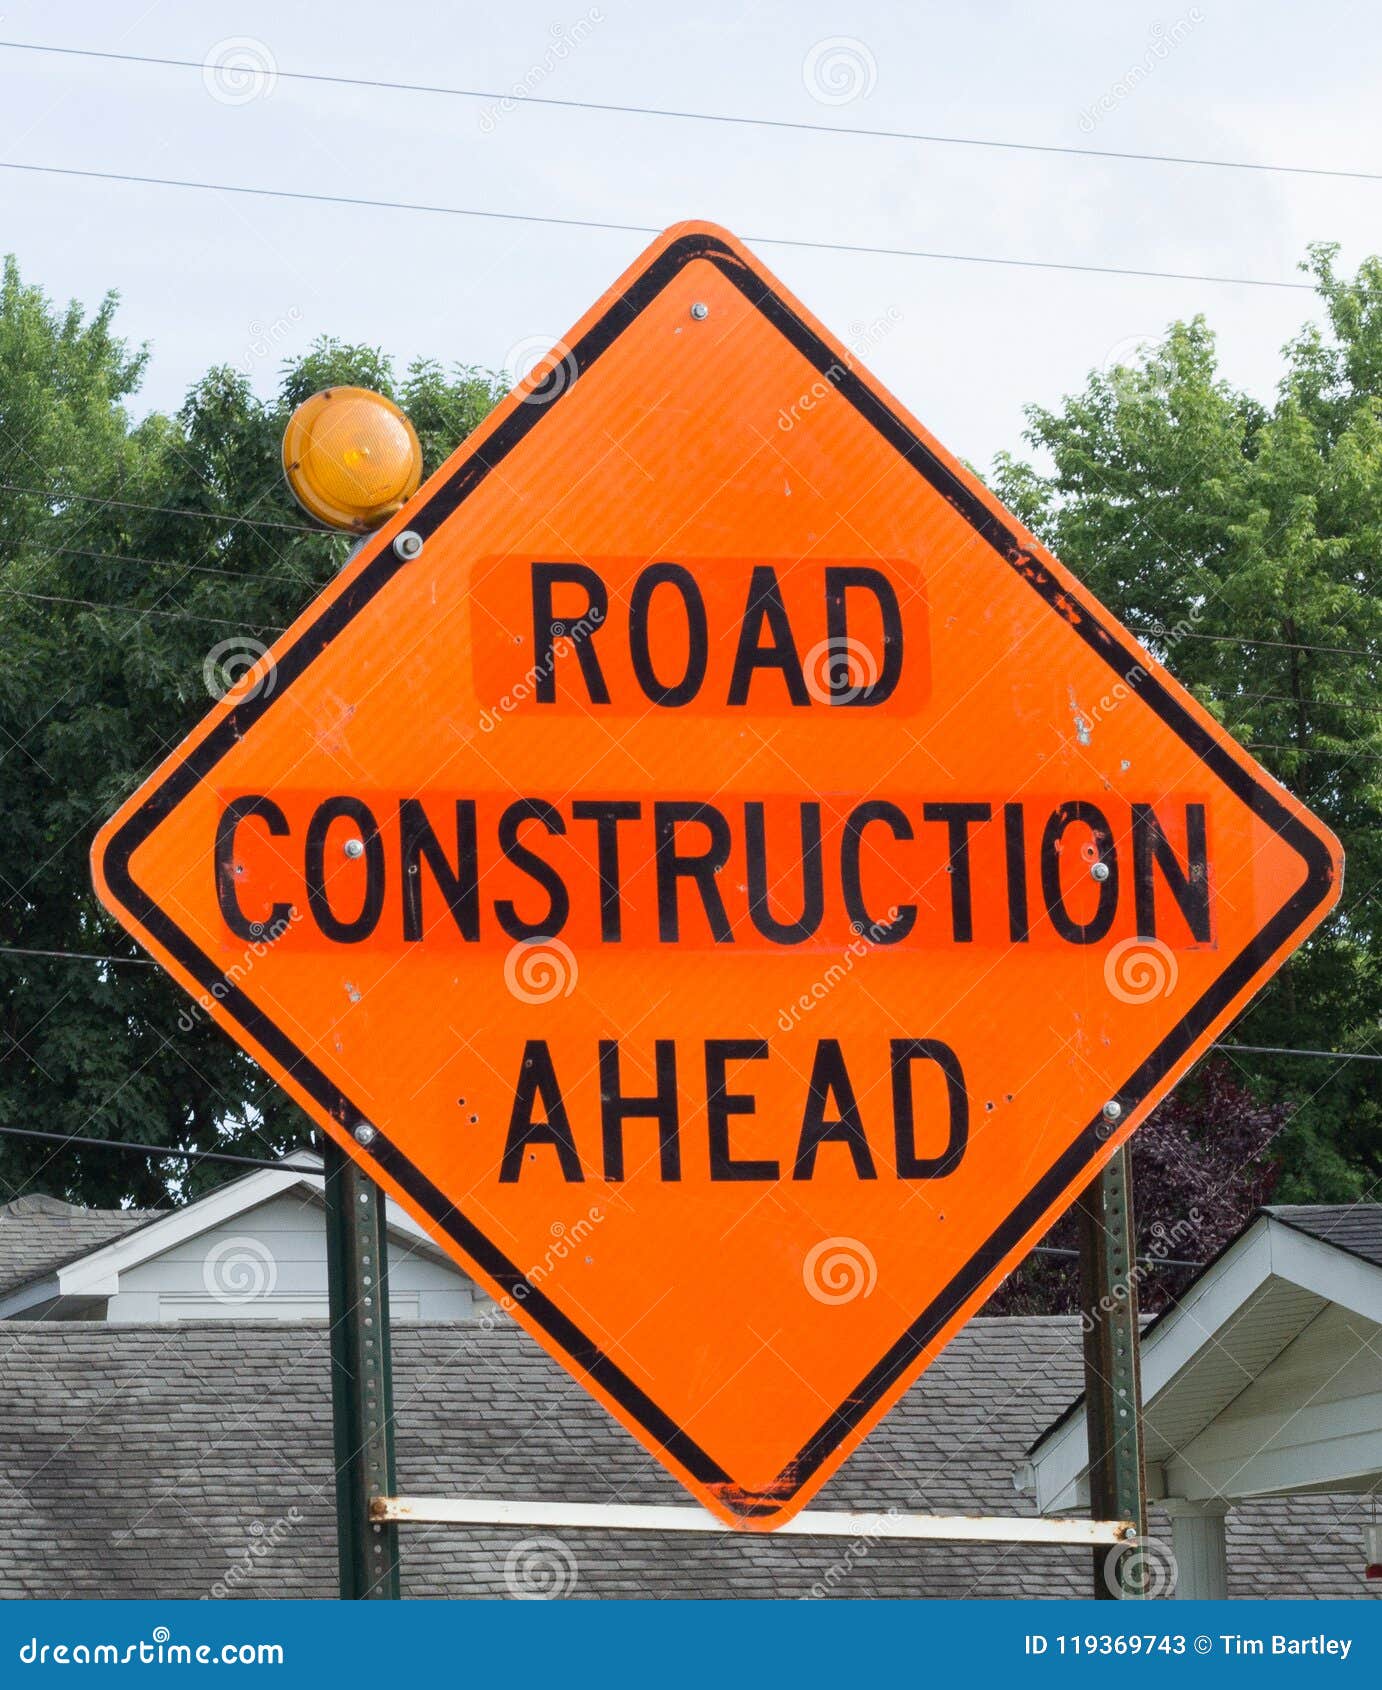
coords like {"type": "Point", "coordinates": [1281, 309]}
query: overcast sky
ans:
{"type": "Point", "coordinates": [210, 278]}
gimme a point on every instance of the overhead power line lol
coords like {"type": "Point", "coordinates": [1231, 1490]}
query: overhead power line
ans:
{"type": "Point", "coordinates": [1175, 635]}
{"type": "Point", "coordinates": [157, 1152]}
{"type": "Point", "coordinates": [1347, 703]}
{"type": "Point", "coordinates": [509, 98]}
{"type": "Point", "coordinates": [1288, 1050]}
{"type": "Point", "coordinates": [79, 956]}
{"type": "Point", "coordinates": [298, 194]}
{"type": "Point", "coordinates": [60, 496]}
{"type": "Point", "coordinates": [139, 610]}
{"type": "Point", "coordinates": [45, 546]}
{"type": "Point", "coordinates": [1346, 751]}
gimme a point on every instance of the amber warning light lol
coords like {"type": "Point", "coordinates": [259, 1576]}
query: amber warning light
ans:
{"type": "Point", "coordinates": [351, 458]}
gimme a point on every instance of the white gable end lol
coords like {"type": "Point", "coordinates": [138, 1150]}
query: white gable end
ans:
{"type": "Point", "coordinates": [251, 1250]}
{"type": "Point", "coordinates": [271, 1263]}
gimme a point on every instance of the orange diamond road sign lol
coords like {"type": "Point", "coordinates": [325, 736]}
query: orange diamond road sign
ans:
{"type": "Point", "coordinates": [748, 886]}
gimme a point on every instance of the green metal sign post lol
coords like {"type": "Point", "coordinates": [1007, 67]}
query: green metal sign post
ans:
{"type": "Point", "coordinates": [1113, 1386]}
{"type": "Point", "coordinates": [361, 1378]}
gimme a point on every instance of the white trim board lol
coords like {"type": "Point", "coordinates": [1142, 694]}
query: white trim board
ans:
{"type": "Point", "coordinates": [812, 1522]}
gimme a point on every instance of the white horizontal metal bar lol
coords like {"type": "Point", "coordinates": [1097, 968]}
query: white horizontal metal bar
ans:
{"type": "Point", "coordinates": [584, 1516]}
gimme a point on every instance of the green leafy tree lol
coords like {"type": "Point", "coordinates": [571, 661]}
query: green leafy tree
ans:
{"type": "Point", "coordinates": [129, 553]}
{"type": "Point", "coordinates": [1202, 1164]}
{"type": "Point", "coordinates": [1241, 541]}
{"type": "Point", "coordinates": [1240, 538]}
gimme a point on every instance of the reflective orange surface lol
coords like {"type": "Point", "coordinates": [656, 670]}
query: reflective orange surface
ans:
{"type": "Point", "coordinates": [733, 868]}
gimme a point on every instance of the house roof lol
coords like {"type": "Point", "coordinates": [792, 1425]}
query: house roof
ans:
{"type": "Point", "coordinates": [1225, 1341]}
{"type": "Point", "coordinates": [38, 1235]}
{"type": "Point", "coordinates": [50, 1248]}
{"type": "Point", "coordinates": [195, 1459]}
{"type": "Point", "coordinates": [1355, 1227]}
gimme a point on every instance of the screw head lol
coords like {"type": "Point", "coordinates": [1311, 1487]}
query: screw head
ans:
{"type": "Point", "coordinates": [1099, 871]}
{"type": "Point", "coordinates": [700, 311]}
{"type": "Point", "coordinates": [407, 545]}
{"type": "Point", "coordinates": [1113, 1110]}
{"type": "Point", "coordinates": [355, 847]}
{"type": "Point", "coordinates": [365, 1133]}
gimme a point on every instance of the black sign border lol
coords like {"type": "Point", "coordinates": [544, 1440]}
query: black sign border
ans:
{"type": "Point", "coordinates": [1126, 662]}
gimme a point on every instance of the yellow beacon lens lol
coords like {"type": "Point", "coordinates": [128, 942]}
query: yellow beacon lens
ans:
{"type": "Point", "coordinates": [351, 458]}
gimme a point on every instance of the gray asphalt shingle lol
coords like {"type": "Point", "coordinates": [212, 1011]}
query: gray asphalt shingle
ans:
{"type": "Point", "coordinates": [195, 1459]}
{"type": "Point", "coordinates": [39, 1234]}
{"type": "Point", "coordinates": [1355, 1227]}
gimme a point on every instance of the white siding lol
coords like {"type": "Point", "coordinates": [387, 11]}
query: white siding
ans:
{"type": "Point", "coordinates": [270, 1263]}
{"type": "Point", "coordinates": [1311, 1416]}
